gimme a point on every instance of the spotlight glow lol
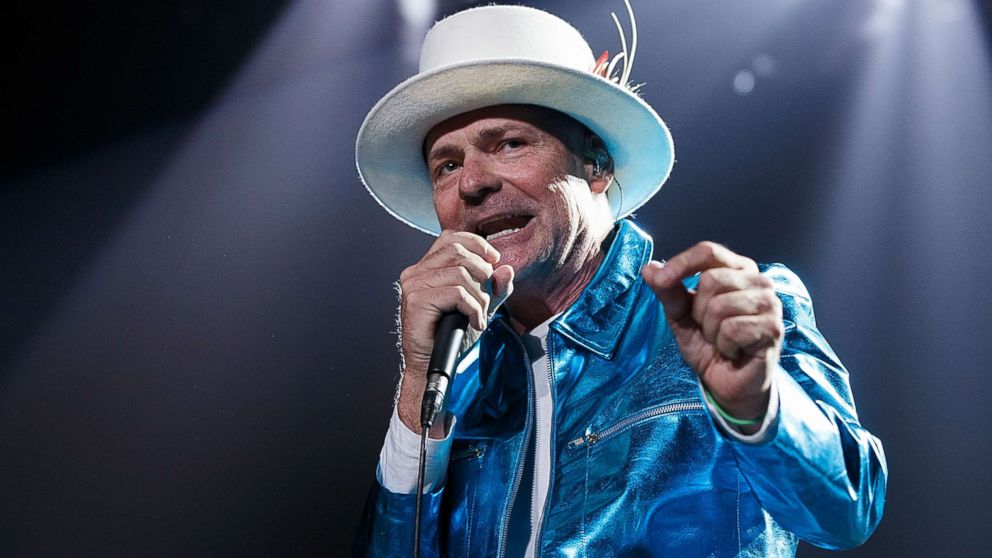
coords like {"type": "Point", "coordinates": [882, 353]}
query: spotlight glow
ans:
{"type": "Point", "coordinates": [744, 82]}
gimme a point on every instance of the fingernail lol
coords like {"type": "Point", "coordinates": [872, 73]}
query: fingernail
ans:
{"type": "Point", "coordinates": [655, 271]}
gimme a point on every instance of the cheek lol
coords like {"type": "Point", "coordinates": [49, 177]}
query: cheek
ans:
{"type": "Point", "coordinates": [447, 209]}
{"type": "Point", "coordinates": [566, 198]}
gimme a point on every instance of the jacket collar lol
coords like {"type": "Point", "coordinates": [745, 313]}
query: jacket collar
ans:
{"type": "Point", "coordinates": [598, 318]}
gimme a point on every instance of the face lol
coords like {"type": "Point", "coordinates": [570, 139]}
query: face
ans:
{"type": "Point", "coordinates": [513, 174]}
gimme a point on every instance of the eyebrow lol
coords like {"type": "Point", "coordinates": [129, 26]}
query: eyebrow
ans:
{"type": "Point", "coordinates": [443, 152]}
{"type": "Point", "coordinates": [497, 131]}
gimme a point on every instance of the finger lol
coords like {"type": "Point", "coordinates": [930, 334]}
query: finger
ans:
{"type": "Point", "coordinates": [453, 276]}
{"type": "Point", "coordinates": [676, 299]}
{"type": "Point", "coordinates": [748, 335]}
{"type": "Point", "coordinates": [453, 255]}
{"type": "Point", "coordinates": [747, 302]}
{"type": "Point", "coordinates": [501, 286]}
{"type": "Point", "coordinates": [702, 256]}
{"type": "Point", "coordinates": [458, 298]}
{"type": "Point", "coordinates": [716, 281]}
{"type": "Point", "coordinates": [473, 242]}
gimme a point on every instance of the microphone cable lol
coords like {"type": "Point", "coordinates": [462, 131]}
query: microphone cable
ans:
{"type": "Point", "coordinates": [420, 492]}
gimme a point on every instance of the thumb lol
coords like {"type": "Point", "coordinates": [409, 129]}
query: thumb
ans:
{"type": "Point", "coordinates": [676, 299]}
{"type": "Point", "coordinates": [501, 286]}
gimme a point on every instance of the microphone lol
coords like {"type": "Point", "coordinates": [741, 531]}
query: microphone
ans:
{"type": "Point", "coordinates": [447, 341]}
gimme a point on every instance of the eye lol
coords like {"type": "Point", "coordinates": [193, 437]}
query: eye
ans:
{"type": "Point", "coordinates": [512, 144]}
{"type": "Point", "coordinates": [446, 168]}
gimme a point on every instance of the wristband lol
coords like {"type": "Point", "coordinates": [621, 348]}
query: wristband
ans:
{"type": "Point", "coordinates": [731, 418]}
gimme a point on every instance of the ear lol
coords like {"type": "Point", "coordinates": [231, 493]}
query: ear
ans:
{"type": "Point", "coordinates": [599, 182]}
{"type": "Point", "coordinates": [598, 163]}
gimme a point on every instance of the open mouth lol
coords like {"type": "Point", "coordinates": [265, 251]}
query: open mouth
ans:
{"type": "Point", "coordinates": [502, 225]}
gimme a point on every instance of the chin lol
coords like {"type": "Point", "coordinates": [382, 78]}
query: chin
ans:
{"type": "Point", "coordinates": [525, 261]}
{"type": "Point", "coordinates": [515, 258]}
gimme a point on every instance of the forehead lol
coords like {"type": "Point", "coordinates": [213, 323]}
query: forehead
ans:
{"type": "Point", "coordinates": [561, 126]}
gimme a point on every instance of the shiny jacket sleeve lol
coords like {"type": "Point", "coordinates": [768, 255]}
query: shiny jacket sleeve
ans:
{"type": "Point", "coordinates": [820, 475]}
{"type": "Point", "coordinates": [387, 524]}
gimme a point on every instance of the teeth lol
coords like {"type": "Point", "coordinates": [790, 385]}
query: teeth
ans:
{"type": "Point", "coordinates": [501, 233]}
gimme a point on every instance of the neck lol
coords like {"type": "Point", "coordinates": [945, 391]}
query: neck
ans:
{"type": "Point", "coordinates": [533, 303]}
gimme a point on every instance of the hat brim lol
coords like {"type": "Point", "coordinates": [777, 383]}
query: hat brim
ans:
{"type": "Point", "coordinates": [388, 151]}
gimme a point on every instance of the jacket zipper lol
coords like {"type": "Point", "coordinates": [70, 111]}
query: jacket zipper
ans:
{"type": "Point", "coordinates": [594, 437]}
{"type": "Point", "coordinates": [501, 543]}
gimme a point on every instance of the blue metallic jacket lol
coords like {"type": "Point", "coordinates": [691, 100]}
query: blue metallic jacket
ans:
{"type": "Point", "coordinates": [638, 467]}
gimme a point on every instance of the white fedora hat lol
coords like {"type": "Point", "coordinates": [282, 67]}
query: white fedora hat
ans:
{"type": "Point", "coordinates": [497, 55]}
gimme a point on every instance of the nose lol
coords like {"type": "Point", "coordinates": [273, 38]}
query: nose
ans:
{"type": "Point", "coordinates": [477, 179]}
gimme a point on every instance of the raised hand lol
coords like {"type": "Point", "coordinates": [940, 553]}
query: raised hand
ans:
{"type": "Point", "coordinates": [729, 330]}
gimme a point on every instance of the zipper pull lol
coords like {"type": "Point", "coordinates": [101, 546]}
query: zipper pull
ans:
{"type": "Point", "coordinates": [589, 437]}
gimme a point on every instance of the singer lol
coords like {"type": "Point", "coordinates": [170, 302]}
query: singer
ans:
{"type": "Point", "coordinates": [606, 403]}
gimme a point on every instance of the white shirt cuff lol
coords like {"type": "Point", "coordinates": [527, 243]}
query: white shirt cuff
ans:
{"type": "Point", "coordinates": [400, 458]}
{"type": "Point", "coordinates": [763, 434]}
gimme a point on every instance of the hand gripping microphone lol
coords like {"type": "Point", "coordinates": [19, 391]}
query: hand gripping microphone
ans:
{"type": "Point", "coordinates": [447, 342]}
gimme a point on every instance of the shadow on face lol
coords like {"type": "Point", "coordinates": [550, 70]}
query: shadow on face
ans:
{"type": "Point", "coordinates": [566, 129]}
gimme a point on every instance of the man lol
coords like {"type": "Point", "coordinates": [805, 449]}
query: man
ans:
{"type": "Point", "coordinates": [612, 405]}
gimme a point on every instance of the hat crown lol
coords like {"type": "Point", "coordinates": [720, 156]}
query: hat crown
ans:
{"type": "Point", "coordinates": [504, 33]}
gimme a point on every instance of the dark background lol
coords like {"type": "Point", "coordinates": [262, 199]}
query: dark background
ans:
{"type": "Point", "coordinates": [196, 301]}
